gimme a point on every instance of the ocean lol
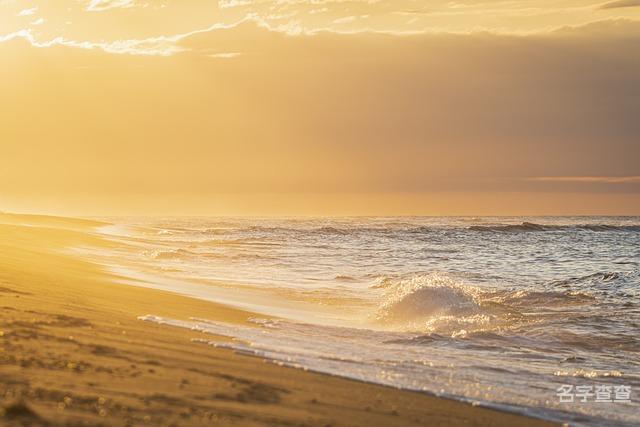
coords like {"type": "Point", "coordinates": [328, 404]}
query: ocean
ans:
{"type": "Point", "coordinates": [540, 315]}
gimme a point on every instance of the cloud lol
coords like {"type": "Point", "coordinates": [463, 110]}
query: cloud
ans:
{"type": "Point", "coordinates": [101, 5]}
{"type": "Point", "coordinates": [620, 4]}
{"type": "Point", "coordinates": [155, 46]}
{"type": "Point", "coordinates": [455, 105]}
{"type": "Point", "coordinates": [226, 4]}
{"type": "Point", "coordinates": [337, 112]}
{"type": "Point", "coordinates": [605, 29]}
{"type": "Point", "coordinates": [629, 184]}
{"type": "Point", "coordinates": [225, 55]}
{"type": "Point", "coordinates": [28, 12]}
{"type": "Point", "coordinates": [151, 46]}
{"type": "Point", "coordinates": [588, 179]}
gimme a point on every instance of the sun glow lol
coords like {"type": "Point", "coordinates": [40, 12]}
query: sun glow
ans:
{"type": "Point", "coordinates": [202, 102]}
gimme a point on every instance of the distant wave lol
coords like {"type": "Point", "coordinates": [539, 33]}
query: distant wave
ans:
{"type": "Point", "coordinates": [186, 255]}
{"type": "Point", "coordinates": [260, 231]}
{"type": "Point", "coordinates": [206, 231]}
{"type": "Point", "coordinates": [530, 226]}
{"type": "Point", "coordinates": [172, 254]}
{"type": "Point", "coordinates": [238, 242]}
{"type": "Point", "coordinates": [618, 285]}
{"type": "Point", "coordinates": [345, 278]}
{"type": "Point", "coordinates": [338, 230]}
{"type": "Point", "coordinates": [600, 277]}
{"type": "Point", "coordinates": [525, 226]}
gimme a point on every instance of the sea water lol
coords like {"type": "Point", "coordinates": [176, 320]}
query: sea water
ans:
{"type": "Point", "coordinates": [535, 315]}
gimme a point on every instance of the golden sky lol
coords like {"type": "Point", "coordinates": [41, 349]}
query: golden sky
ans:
{"type": "Point", "coordinates": [320, 107]}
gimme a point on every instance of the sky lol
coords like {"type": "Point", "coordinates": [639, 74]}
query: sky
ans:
{"type": "Point", "coordinates": [321, 107]}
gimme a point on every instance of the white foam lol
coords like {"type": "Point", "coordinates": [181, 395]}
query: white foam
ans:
{"type": "Point", "coordinates": [378, 357]}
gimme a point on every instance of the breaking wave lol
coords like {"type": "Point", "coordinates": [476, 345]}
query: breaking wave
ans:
{"type": "Point", "coordinates": [440, 303]}
{"type": "Point", "coordinates": [435, 303]}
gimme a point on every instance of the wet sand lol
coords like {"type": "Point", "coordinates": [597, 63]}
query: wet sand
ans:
{"type": "Point", "coordinates": [72, 352]}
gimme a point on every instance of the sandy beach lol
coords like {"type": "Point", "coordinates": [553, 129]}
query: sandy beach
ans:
{"type": "Point", "coordinates": [74, 353]}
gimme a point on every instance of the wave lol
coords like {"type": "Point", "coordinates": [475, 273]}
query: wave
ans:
{"type": "Point", "coordinates": [213, 230]}
{"type": "Point", "coordinates": [440, 303]}
{"type": "Point", "coordinates": [345, 278]}
{"type": "Point", "coordinates": [334, 230]}
{"type": "Point", "coordinates": [350, 230]}
{"type": "Point", "coordinates": [337, 230]}
{"type": "Point", "coordinates": [543, 299]}
{"type": "Point", "coordinates": [525, 226]}
{"type": "Point", "coordinates": [172, 254]}
{"type": "Point", "coordinates": [433, 302]}
{"type": "Point", "coordinates": [198, 257]}
{"type": "Point", "coordinates": [621, 286]}
{"type": "Point", "coordinates": [324, 230]}
{"type": "Point", "coordinates": [593, 279]}
{"type": "Point", "coordinates": [530, 226]}
{"type": "Point", "coordinates": [259, 242]}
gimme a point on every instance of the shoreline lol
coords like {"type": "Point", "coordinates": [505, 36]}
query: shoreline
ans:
{"type": "Point", "coordinates": [73, 351]}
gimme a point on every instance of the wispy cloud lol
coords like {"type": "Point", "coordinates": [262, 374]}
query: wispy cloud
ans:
{"type": "Point", "coordinates": [620, 3]}
{"type": "Point", "coordinates": [28, 12]}
{"type": "Point", "coordinates": [225, 55]}
{"type": "Point", "coordinates": [151, 46]}
{"type": "Point", "coordinates": [226, 4]}
{"type": "Point", "coordinates": [167, 45]}
{"type": "Point", "coordinates": [100, 5]}
{"type": "Point", "coordinates": [588, 179]}
{"type": "Point", "coordinates": [155, 46]}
